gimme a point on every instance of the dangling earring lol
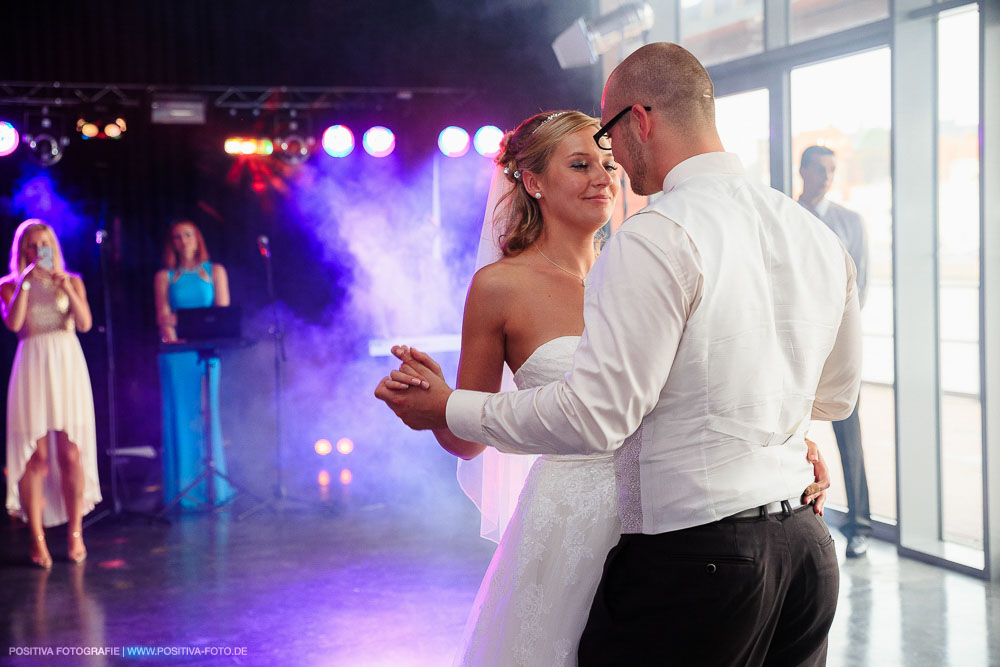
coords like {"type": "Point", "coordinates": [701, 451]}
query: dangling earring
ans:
{"type": "Point", "coordinates": [538, 195]}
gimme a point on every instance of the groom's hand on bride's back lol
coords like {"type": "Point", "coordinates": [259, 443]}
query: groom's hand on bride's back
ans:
{"type": "Point", "coordinates": [417, 392]}
{"type": "Point", "coordinates": [815, 493]}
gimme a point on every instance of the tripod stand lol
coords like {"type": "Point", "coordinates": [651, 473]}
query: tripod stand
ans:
{"type": "Point", "coordinates": [207, 352]}
{"type": "Point", "coordinates": [280, 498]}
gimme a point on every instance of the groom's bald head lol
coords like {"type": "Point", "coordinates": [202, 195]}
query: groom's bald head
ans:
{"type": "Point", "coordinates": [669, 79]}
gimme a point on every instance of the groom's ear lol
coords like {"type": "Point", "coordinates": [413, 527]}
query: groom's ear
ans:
{"type": "Point", "coordinates": [642, 121]}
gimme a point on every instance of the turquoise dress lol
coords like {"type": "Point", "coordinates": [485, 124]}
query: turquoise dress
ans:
{"type": "Point", "coordinates": [181, 385]}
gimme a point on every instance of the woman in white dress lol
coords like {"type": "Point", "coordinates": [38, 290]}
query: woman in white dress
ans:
{"type": "Point", "coordinates": [554, 190]}
{"type": "Point", "coordinates": [51, 441]}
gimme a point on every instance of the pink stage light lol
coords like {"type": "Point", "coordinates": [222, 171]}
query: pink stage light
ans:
{"type": "Point", "coordinates": [323, 447]}
{"type": "Point", "coordinates": [379, 141]}
{"type": "Point", "coordinates": [338, 141]}
{"type": "Point", "coordinates": [9, 138]}
{"type": "Point", "coordinates": [453, 141]}
{"type": "Point", "coordinates": [487, 140]}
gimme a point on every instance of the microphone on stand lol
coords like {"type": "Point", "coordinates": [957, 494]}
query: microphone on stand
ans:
{"type": "Point", "coordinates": [264, 246]}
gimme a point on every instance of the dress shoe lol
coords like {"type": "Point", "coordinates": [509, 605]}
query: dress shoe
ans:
{"type": "Point", "coordinates": [857, 546]}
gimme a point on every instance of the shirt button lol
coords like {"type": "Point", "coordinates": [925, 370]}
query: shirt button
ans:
{"type": "Point", "coordinates": [711, 568]}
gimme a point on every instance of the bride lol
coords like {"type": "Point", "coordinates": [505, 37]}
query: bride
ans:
{"type": "Point", "coordinates": [553, 191]}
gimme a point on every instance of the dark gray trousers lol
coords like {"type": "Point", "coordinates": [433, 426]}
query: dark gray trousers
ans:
{"type": "Point", "coordinates": [852, 459]}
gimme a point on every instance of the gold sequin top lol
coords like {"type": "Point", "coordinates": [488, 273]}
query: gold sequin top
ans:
{"type": "Point", "coordinates": [48, 309]}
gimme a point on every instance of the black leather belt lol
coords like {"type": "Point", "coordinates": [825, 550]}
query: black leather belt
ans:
{"type": "Point", "coordinates": [777, 507]}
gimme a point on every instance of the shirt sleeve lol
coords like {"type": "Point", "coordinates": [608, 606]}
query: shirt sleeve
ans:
{"type": "Point", "coordinates": [639, 297]}
{"type": "Point", "coordinates": [837, 391]}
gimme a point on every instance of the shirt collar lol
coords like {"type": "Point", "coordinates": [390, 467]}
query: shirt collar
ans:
{"type": "Point", "coordinates": [705, 163]}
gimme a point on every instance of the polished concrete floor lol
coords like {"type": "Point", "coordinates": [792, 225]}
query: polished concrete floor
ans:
{"type": "Point", "coordinates": [377, 585]}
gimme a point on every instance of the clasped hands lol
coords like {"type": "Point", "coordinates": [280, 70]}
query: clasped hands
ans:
{"type": "Point", "coordinates": [418, 393]}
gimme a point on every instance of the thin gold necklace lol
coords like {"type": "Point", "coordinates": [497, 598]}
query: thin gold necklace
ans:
{"type": "Point", "coordinates": [561, 268]}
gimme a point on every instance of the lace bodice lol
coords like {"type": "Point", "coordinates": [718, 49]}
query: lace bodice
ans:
{"type": "Point", "coordinates": [548, 363]}
{"type": "Point", "coordinates": [48, 309]}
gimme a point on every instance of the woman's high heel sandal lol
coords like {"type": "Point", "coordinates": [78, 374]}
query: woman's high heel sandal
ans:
{"type": "Point", "coordinates": [44, 562]}
{"type": "Point", "coordinates": [81, 555]}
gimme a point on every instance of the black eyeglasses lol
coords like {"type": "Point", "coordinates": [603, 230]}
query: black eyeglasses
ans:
{"type": "Point", "coordinates": [601, 136]}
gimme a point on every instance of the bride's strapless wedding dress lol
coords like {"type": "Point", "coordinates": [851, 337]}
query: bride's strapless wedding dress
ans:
{"type": "Point", "coordinates": [535, 598]}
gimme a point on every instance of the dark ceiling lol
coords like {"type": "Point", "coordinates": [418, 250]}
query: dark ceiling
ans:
{"type": "Point", "coordinates": [500, 48]}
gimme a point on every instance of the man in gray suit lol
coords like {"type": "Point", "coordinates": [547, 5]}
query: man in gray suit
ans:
{"type": "Point", "coordinates": [817, 168]}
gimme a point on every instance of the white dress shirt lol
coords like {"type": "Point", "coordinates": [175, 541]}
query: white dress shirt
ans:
{"type": "Point", "coordinates": [718, 320]}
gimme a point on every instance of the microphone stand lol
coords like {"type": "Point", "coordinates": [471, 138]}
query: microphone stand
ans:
{"type": "Point", "coordinates": [280, 497]}
{"type": "Point", "coordinates": [113, 451]}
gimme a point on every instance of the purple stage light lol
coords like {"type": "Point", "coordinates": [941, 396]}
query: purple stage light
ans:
{"type": "Point", "coordinates": [9, 138]}
{"type": "Point", "coordinates": [453, 141]}
{"type": "Point", "coordinates": [487, 140]}
{"type": "Point", "coordinates": [379, 141]}
{"type": "Point", "coordinates": [338, 141]}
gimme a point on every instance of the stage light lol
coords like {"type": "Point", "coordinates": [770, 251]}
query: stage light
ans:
{"type": "Point", "coordinates": [345, 446]}
{"type": "Point", "coordinates": [379, 141]}
{"type": "Point", "coordinates": [453, 141]}
{"type": "Point", "coordinates": [9, 138]}
{"type": "Point", "coordinates": [323, 447]}
{"type": "Point", "coordinates": [294, 149]}
{"type": "Point", "coordinates": [87, 129]}
{"type": "Point", "coordinates": [97, 129]}
{"type": "Point", "coordinates": [115, 129]}
{"type": "Point", "coordinates": [248, 146]}
{"type": "Point", "coordinates": [45, 149]}
{"type": "Point", "coordinates": [346, 477]}
{"type": "Point", "coordinates": [487, 140]}
{"type": "Point", "coordinates": [324, 478]}
{"type": "Point", "coordinates": [582, 43]}
{"type": "Point", "coordinates": [338, 141]}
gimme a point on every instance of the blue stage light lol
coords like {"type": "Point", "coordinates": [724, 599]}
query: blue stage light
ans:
{"type": "Point", "coordinates": [487, 140]}
{"type": "Point", "coordinates": [379, 141]}
{"type": "Point", "coordinates": [453, 141]}
{"type": "Point", "coordinates": [338, 141]}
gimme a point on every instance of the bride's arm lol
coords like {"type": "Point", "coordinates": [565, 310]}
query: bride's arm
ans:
{"type": "Point", "coordinates": [480, 364]}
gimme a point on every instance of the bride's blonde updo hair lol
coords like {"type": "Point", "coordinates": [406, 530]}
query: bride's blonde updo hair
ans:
{"type": "Point", "coordinates": [529, 148]}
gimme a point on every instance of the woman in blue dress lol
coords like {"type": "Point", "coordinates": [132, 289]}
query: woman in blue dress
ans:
{"type": "Point", "coordinates": [188, 280]}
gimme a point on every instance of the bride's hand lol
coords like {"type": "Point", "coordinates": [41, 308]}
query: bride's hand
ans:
{"type": "Point", "coordinates": [422, 409]}
{"type": "Point", "coordinates": [410, 358]}
{"type": "Point", "coordinates": [406, 376]}
{"type": "Point", "coordinates": [410, 354]}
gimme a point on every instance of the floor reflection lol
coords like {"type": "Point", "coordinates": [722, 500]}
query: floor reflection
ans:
{"type": "Point", "coordinates": [311, 589]}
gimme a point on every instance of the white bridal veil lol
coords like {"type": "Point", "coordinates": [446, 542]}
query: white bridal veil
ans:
{"type": "Point", "coordinates": [493, 480]}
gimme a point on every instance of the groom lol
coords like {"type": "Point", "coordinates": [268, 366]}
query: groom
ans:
{"type": "Point", "coordinates": [719, 320]}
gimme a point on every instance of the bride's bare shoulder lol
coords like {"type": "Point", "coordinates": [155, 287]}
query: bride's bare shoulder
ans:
{"type": "Point", "coordinates": [501, 276]}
